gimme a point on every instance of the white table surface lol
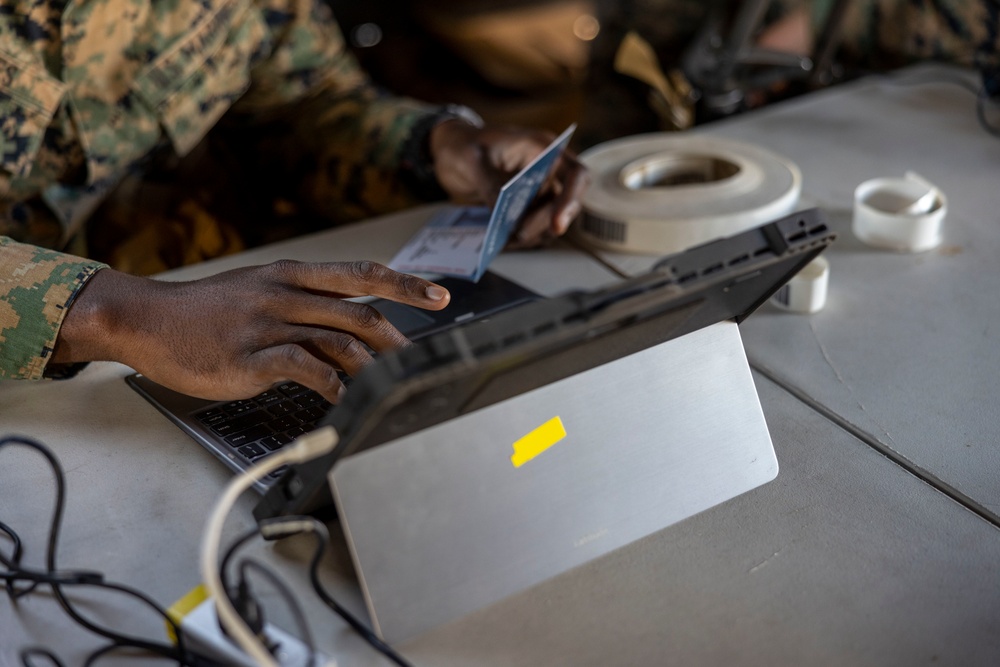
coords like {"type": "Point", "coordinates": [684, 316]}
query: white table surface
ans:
{"type": "Point", "coordinates": [845, 558]}
{"type": "Point", "coordinates": [907, 350]}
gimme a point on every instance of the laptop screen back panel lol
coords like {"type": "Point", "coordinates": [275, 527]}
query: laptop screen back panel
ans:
{"type": "Point", "coordinates": [441, 522]}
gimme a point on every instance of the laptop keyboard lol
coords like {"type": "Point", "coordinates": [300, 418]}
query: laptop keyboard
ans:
{"type": "Point", "coordinates": [255, 427]}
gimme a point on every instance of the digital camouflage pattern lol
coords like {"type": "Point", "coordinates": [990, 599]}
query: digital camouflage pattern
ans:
{"type": "Point", "coordinates": [38, 286]}
{"type": "Point", "coordinates": [96, 95]}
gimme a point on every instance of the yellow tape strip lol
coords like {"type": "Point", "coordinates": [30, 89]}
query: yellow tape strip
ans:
{"type": "Point", "coordinates": [178, 610]}
{"type": "Point", "coordinates": [538, 441]}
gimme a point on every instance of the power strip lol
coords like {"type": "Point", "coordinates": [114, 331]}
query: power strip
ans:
{"type": "Point", "coordinates": [204, 635]}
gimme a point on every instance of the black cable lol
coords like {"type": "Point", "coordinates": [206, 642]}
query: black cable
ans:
{"type": "Point", "coordinates": [14, 563]}
{"type": "Point", "coordinates": [228, 556]}
{"type": "Point", "coordinates": [87, 579]}
{"type": "Point", "coordinates": [50, 559]}
{"type": "Point", "coordinates": [15, 557]}
{"type": "Point", "coordinates": [322, 540]}
{"type": "Point", "coordinates": [55, 579]}
{"type": "Point", "coordinates": [304, 631]}
{"type": "Point", "coordinates": [103, 651]}
{"type": "Point", "coordinates": [68, 578]}
{"type": "Point", "coordinates": [30, 652]}
{"type": "Point", "coordinates": [297, 614]}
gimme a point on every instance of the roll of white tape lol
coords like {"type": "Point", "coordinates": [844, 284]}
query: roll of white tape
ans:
{"type": "Point", "coordinates": [903, 214]}
{"type": "Point", "coordinates": [662, 193]}
{"type": "Point", "coordinates": [806, 291]}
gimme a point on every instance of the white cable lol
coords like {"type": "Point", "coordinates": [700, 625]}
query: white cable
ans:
{"type": "Point", "coordinates": [306, 447]}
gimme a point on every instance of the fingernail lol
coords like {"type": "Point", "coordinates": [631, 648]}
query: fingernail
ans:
{"type": "Point", "coordinates": [341, 393]}
{"type": "Point", "coordinates": [435, 292]}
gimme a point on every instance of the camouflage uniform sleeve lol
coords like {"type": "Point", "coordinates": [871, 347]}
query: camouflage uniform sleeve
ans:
{"type": "Point", "coordinates": [316, 127]}
{"type": "Point", "coordinates": [37, 287]}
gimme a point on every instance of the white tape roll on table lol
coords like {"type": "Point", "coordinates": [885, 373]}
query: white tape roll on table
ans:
{"type": "Point", "coordinates": [806, 291]}
{"type": "Point", "coordinates": [662, 193]}
{"type": "Point", "coordinates": [903, 214]}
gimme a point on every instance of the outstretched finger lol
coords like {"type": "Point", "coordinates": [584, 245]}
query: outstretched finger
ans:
{"type": "Point", "coordinates": [364, 278]}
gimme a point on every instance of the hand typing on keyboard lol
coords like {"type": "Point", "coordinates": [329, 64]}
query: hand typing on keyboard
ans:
{"type": "Point", "coordinates": [236, 334]}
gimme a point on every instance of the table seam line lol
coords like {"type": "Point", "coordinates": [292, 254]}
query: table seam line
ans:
{"type": "Point", "coordinates": [873, 442]}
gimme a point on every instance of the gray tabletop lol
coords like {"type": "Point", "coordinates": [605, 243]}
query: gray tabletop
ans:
{"type": "Point", "coordinates": [846, 558]}
{"type": "Point", "coordinates": [905, 353]}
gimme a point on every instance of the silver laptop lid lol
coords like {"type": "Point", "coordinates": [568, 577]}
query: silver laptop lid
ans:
{"type": "Point", "coordinates": [471, 367]}
{"type": "Point", "coordinates": [442, 522]}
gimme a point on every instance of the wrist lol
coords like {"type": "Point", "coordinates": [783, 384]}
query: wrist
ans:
{"type": "Point", "coordinates": [424, 144]}
{"type": "Point", "coordinates": [98, 326]}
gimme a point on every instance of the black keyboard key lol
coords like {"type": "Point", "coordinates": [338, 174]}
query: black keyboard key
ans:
{"type": "Point", "coordinates": [209, 414]}
{"type": "Point", "coordinates": [276, 441]}
{"type": "Point", "coordinates": [252, 451]}
{"type": "Point", "coordinates": [283, 408]}
{"type": "Point", "coordinates": [291, 388]}
{"type": "Point", "coordinates": [270, 397]}
{"type": "Point", "coordinates": [310, 399]}
{"type": "Point", "coordinates": [238, 405]}
{"type": "Point", "coordinates": [249, 435]}
{"type": "Point", "coordinates": [295, 432]}
{"type": "Point", "coordinates": [212, 419]}
{"type": "Point", "coordinates": [283, 423]}
{"type": "Point", "coordinates": [241, 423]}
{"type": "Point", "coordinates": [309, 415]}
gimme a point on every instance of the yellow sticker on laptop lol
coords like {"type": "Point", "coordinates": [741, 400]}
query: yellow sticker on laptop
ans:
{"type": "Point", "coordinates": [537, 441]}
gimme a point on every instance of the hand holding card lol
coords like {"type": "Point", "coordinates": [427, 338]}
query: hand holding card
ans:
{"type": "Point", "coordinates": [462, 241]}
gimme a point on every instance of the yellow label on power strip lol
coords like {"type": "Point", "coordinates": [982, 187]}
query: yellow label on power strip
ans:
{"type": "Point", "coordinates": [538, 441]}
{"type": "Point", "coordinates": [185, 606]}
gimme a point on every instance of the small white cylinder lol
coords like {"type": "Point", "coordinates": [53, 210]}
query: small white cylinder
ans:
{"type": "Point", "coordinates": [902, 214]}
{"type": "Point", "coordinates": [806, 291]}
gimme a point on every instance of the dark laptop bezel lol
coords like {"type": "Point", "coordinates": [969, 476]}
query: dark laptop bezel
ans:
{"type": "Point", "coordinates": [473, 366]}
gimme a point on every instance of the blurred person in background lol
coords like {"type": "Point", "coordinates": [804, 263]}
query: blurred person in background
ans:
{"type": "Point", "coordinates": [140, 135]}
{"type": "Point", "coordinates": [553, 62]}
